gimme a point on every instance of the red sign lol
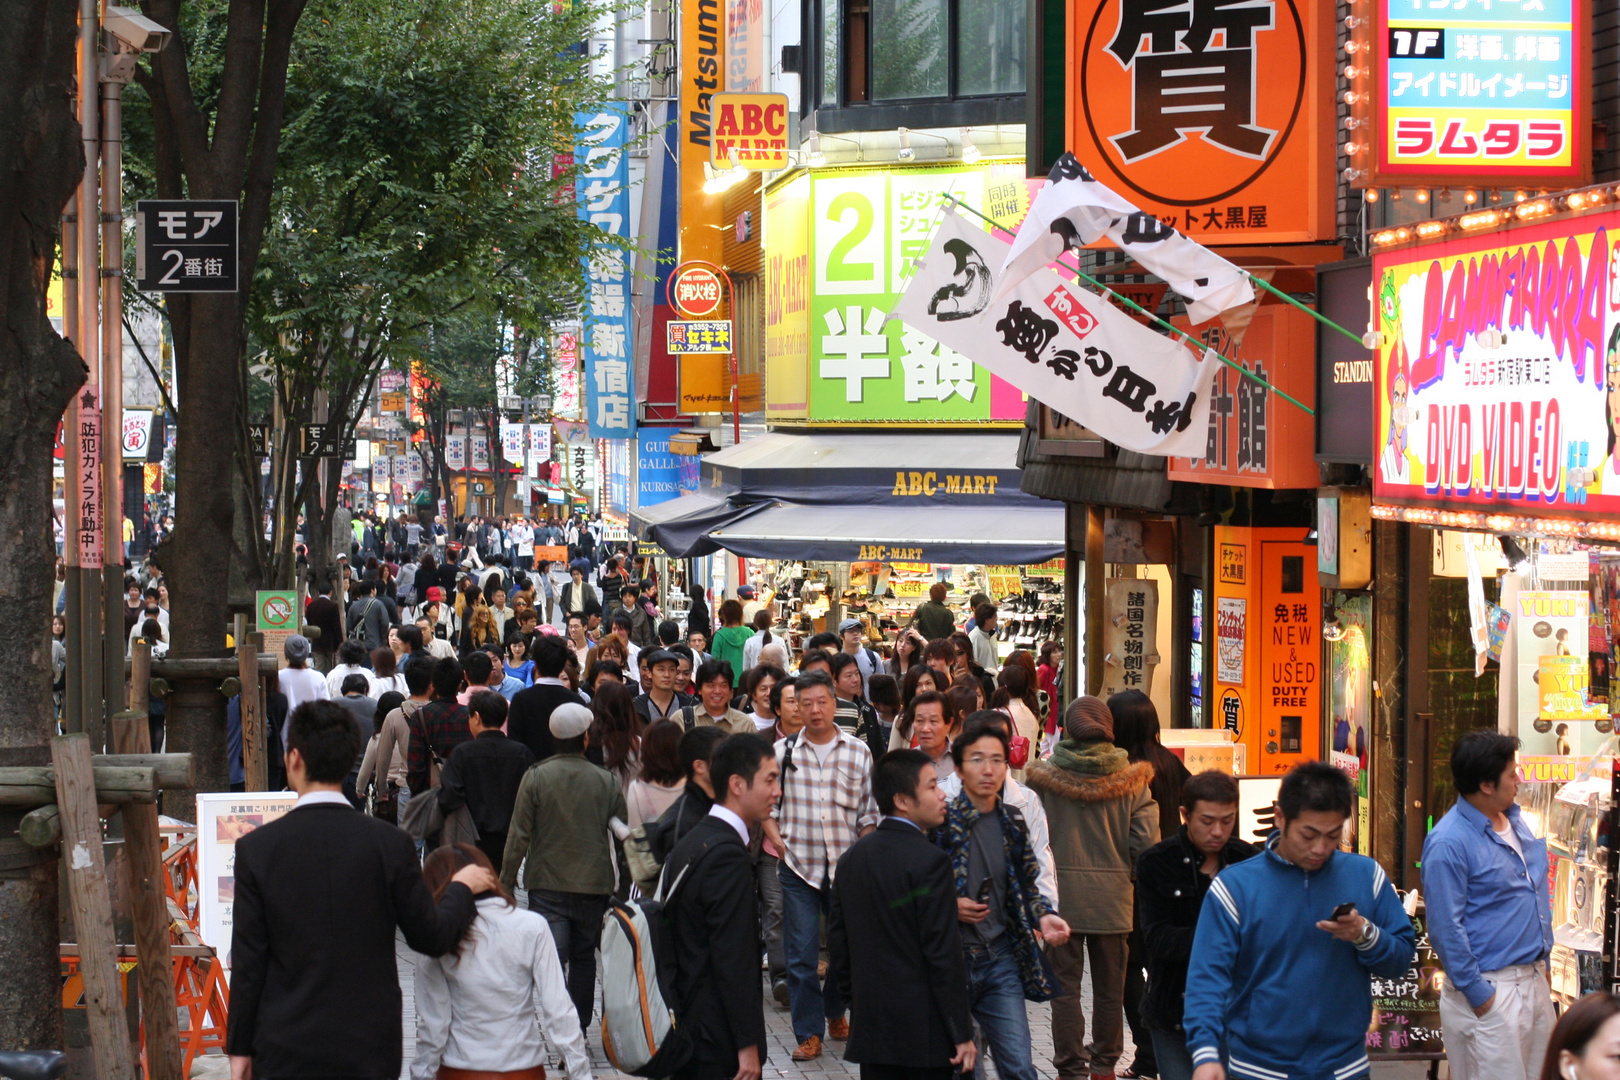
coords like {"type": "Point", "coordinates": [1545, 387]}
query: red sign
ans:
{"type": "Point", "coordinates": [696, 291]}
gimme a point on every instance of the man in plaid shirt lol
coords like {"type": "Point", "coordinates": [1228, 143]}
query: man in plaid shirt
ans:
{"type": "Point", "coordinates": [826, 806]}
{"type": "Point", "coordinates": [440, 725]}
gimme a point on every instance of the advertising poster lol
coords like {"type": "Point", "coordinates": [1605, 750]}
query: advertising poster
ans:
{"type": "Point", "coordinates": [1527, 425]}
{"type": "Point", "coordinates": [222, 820]}
{"type": "Point", "coordinates": [1351, 672]}
{"type": "Point", "coordinates": [658, 472]}
{"type": "Point", "coordinates": [1406, 1011]}
{"type": "Point", "coordinates": [1551, 626]}
{"type": "Point", "coordinates": [1231, 630]}
{"type": "Point", "coordinates": [866, 229]}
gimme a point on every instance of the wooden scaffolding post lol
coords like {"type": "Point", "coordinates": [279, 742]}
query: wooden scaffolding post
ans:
{"type": "Point", "coordinates": [86, 873]}
{"type": "Point", "coordinates": [255, 772]}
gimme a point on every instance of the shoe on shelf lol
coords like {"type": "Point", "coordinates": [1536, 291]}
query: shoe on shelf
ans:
{"type": "Point", "coordinates": [838, 1029]}
{"type": "Point", "coordinates": [779, 991]}
{"type": "Point", "coordinates": [808, 1050]}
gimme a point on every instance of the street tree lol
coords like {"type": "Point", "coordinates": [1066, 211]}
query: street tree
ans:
{"type": "Point", "coordinates": [39, 372]}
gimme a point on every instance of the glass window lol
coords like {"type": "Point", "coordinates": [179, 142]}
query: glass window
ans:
{"type": "Point", "coordinates": [990, 47]}
{"type": "Point", "coordinates": [829, 52]}
{"type": "Point", "coordinates": [909, 57]}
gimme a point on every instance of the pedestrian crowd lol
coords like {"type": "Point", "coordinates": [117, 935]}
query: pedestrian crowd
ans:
{"type": "Point", "coordinates": [902, 851]}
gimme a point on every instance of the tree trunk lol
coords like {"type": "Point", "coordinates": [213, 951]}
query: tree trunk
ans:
{"type": "Point", "coordinates": [39, 372]}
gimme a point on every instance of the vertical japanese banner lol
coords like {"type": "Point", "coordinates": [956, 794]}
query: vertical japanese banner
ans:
{"type": "Point", "coordinates": [88, 446]}
{"type": "Point", "coordinates": [565, 359]}
{"type": "Point", "coordinates": [745, 46]}
{"type": "Point", "coordinates": [603, 194]}
{"type": "Point", "coordinates": [1130, 638]}
{"type": "Point", "coordinates": [455, 452]}
{"type": "Point", "coordinates": [478, 452]}
{"type": "Point", "coordinates": [512, 441]}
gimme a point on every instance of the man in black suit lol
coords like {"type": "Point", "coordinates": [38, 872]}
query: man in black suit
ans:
{"type": "Point", "coordinates": [319, 891]}
{"type": "Point", "coordinates": [715, 918]}
{"type": "Point", "coordinates": [892, 938]}
{"type": "Point", "coordinates": [529, 720]}
{"type": "Point", "coordinates": [588, 602]}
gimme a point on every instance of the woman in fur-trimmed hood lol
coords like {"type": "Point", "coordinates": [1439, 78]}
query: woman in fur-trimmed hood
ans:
{"type": "Point", "coordinates": [1101, 816]}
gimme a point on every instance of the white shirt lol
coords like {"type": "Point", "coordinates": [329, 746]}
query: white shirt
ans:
{"type": "Point", "coordinates": [1017, 795]}
{"type": "Point", "coordinates": [730, 817]}
{"type": "Point", "coordinates": [300, 685]}
{"type": "Point", "coordinates": [477, 1011]}
{"type": "Point", "coordinates": [315, 798]}
{"type": "Point", "coordinates": [335, 677]}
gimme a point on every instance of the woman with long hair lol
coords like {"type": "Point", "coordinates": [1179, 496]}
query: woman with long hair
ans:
{"type": "Point", "coordinates": [908, 650]}
{"type": "Point", "coordinates": [1015, 695]}
{"type": "Point", "coordinates": [966, 665]}
{"type": "Point", "coordinates": [609, 648]}
{"type": "Point", "coordinates": [385, 675]}
{"type": "Point", "coordinates": [615, 731]}
{"type": "Point", "coordinates": [476, 1006]}
{"type": "Point", "coordinates": [920, 679]}
{"type": "Point", "coordinates": [1136, 731]}
{"type": "Point", "coordinates": [662, 779]}
{"type": "Point", "coordinates": [478, 628]}
{"type": "Point", "coordinates": [518, 664]}
{"type": "Point", "coordinates": [1586, 1043]}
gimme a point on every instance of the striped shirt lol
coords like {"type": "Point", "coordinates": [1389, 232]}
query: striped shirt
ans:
{"type": "Point", "coordinates": [826, 802]}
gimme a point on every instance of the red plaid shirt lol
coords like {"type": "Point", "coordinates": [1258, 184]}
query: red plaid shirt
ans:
{"type": "Point", "coordinates": [441, 725]}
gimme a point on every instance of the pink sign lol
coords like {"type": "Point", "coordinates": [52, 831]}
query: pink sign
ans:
{"type": "Point", "coordinates": [88, 520]}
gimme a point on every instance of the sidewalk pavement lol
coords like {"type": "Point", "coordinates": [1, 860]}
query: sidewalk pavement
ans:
{"type": "Point", "coordinates": [831, 1065]}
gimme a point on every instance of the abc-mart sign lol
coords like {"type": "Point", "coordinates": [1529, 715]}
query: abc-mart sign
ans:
{"type": "Point", "coordinates": [754, 128]}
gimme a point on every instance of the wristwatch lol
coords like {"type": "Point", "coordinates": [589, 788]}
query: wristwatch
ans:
{"type": "Point", "coordinates": [1366, 934]}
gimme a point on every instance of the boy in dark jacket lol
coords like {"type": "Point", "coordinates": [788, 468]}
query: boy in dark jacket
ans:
{"type": "Point", "coordinates": [1171, 880]}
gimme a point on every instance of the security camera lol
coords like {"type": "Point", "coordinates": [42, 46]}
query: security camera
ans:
{"type": "Point", "coordinates": [134, 30]}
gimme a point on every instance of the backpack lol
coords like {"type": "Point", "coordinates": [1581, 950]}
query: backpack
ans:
{"type": "Point", "coordinates": [357, 632]}
{"type": "Point", "coordinates": [640, 1029]}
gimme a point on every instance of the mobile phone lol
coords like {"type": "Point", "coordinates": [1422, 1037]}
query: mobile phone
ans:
{"type": "Point", "coordinates": [984, 891]}
{"type": "Point", "coordinates": [1343, 909]}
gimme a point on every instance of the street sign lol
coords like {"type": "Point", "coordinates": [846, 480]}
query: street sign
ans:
{"type": "Point", "coordinates": [696, 291]}
{"type": "Point", "coordinates": [393, 401]}
{"type": "Point", "coordinates": [259, 439]}
{"type": "Point", "coordinates": [186, 245]}
{"type": "Point", "coordinates": [277, 609]}
{"type": "Point", "coordinates": [319, 442]}
{"type": "Point", "coordinates": [700, 337]}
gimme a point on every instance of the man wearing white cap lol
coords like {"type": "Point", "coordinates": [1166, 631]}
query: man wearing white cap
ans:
{"type": "Point", "coordinates": [561, 824]}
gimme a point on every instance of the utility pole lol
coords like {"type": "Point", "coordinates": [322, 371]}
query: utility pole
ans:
{"type": "Point", "coordinates": [116, 68]}
{"type": "Point", "coordinates": [92, 504]}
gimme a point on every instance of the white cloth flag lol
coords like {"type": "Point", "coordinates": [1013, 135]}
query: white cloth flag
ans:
{"type": "Point", "coordinates": [1061, 345]}
{"type": "Point", "coordinates": [1073, 210]}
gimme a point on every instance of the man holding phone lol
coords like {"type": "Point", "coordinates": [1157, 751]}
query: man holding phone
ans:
{"type": "Point", "coordinates": [1288, 994]}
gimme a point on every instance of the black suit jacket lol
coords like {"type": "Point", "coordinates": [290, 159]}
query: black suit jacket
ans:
{"type": "Point", "coordinates": [895, 949]}
{"type": "Point", "coordinates": [716, 932]}
{"type": "Point", "coordinates": [528, 720]}
{"type": "Point", "coordinates": [592, 603]}
{"type": "Point", "coordinates": [314, 989]}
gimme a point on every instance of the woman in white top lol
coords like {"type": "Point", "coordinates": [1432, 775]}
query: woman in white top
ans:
{"type": "Point", "coordinates": [476, 1008]}
{"type": "Point", "coordinates": [662, 779]}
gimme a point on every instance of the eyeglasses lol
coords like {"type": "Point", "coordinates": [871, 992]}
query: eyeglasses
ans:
{"type": "Point", "coordinates": [980, 761]}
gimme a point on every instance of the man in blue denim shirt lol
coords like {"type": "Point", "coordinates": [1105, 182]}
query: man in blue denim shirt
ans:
{"type": "Point", "coordinates": [1485, 889]}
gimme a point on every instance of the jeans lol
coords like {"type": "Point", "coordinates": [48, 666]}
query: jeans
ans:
{"type": "Point", "coordinates": [996, 997]}
{"type": "Point", "coordinates": [812, 1004]}
{"type": "Point", "coordinates": [770, 914]}
{"type": "Point", "coordinates": [576, 927]}
{"type": "Point", "coordinates": [1170, 1050]}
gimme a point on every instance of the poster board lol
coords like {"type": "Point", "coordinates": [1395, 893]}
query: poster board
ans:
{"type": "Point", "coordinates": [1406, 1011]}
{"type": "Point", "coordinates": [223, 818]}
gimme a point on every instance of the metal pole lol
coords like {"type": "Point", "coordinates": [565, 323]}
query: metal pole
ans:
{"type": "Point", "coordinates": [89, 619]}
{"type": "Point", "coordinates": [112, 383]}
{"type": "Point", "coordinates": [526, 487]}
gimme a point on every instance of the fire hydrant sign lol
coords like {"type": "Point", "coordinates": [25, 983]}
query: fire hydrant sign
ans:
{"type": "Point", "coordinates": [186, 245]}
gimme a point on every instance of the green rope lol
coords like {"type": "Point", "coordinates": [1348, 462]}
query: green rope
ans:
{"type": "Point", "coordinates": [1312, 312]}
{"type": "Point", "coordinates": [1134, 306]}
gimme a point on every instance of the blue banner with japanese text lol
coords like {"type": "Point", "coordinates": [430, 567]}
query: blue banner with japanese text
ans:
{"type": "Point", "coordinates": [603, 194]}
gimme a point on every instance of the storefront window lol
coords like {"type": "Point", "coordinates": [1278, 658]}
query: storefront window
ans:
{"type": "Point", "coordinates": [990, 47]}
{"type": "Point", "coordinates": [829, 52]}
{"type": "Point", "coordinates": [912, 59]}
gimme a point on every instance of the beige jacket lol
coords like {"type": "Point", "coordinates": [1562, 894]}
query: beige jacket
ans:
{"type": "Point", "coordinates": [1100, 820]}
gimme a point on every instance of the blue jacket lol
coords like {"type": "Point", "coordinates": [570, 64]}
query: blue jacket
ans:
{"type": "Point", "coordinates": [1268, 991]}
{"type": "Point", "coordinates": [1487, 908]}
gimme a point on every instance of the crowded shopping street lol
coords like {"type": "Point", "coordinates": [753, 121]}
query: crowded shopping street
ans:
{"type": "Point", "coordinates": [846, 540]}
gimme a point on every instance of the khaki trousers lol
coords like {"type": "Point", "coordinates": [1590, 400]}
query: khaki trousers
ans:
{"type": "Point", "coordinates": [1508, 1042]}
{"type": "Point", "coordinates": [1071, 1056]}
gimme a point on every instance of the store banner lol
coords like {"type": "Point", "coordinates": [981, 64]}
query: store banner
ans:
{"type": "Point", "coordinates": [1058, 343]}
{"type": "Point", "coordinates": [512, 442]}
{"type": "Point", "coordinates": [478, 453]}
{"type": "Point", "coordinates": [658, 472]}
{"type": "Point", "coordinates": [1498, 375]}
{"type": "Point", "coordinates": [539, 442]}
{"type": "Point", "coordinates": [1074, 210]}
{"type": "Point", "coordinates": [455, 452]}
{"type": "Point", "coordinates": [1130, 635]}
{"type": "Point", "coordinates": [137, 433]}
{"type": "Point", "coordinates": [1231, 634]}
{"type": "Point", "coordinates": [603, 194]}
{"type": "Point", "coordinates": [866, 228]}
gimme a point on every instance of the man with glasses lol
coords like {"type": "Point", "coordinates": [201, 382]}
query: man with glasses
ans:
{"type": "Point", "coordinates": [1000, 910]}
{"type": "Point", "coordinates": [817, 821]}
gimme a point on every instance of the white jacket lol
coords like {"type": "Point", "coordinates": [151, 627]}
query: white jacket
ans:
{"type": "Point", "coordinates": [478, 1010]}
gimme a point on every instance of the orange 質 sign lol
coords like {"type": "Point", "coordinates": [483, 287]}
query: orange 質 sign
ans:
{"type": "Point", "coordinates": [1218, 119]}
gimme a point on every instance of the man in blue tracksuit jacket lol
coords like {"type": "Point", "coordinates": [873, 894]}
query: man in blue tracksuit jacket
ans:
{"type": "Point", "coordinates": [1278, 989]}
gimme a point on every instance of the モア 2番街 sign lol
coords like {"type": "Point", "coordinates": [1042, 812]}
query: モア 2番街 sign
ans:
{"type": "Point", "coordinates": [186, 245]}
